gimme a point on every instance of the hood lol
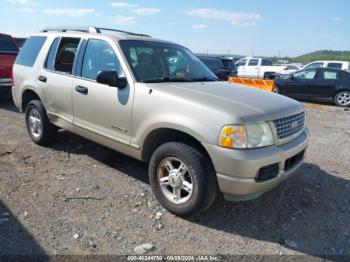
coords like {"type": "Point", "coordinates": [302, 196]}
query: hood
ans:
{"type": "Point", "coordinates": [244, 103]}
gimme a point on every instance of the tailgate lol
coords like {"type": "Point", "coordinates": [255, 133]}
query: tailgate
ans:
{"type": "Point", "coordinates": [6, 63]}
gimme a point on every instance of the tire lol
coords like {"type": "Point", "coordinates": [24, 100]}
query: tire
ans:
{"type": "Point", "coordinates": [200, 174]}
{"type": "Point", "coordinates": [39, 128]}
{"type": "Point", "coordinates": [342, 98]}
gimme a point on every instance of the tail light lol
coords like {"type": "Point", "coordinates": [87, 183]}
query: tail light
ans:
{"type": "Point", "coordinates": [12, 77]}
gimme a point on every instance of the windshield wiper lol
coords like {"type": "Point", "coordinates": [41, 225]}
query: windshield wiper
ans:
{"type": "Point", "coordinates": [167, 79]}
{"type": "Point", "coordinates": [204, 79]}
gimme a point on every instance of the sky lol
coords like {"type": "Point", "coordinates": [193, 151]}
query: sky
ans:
{"type": "Point", "coordinates": [241, 27]}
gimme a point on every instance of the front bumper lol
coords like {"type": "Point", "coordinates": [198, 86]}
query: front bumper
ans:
{"type": "Point", "coordinates": [237, 169]}
{"type": "Point", "coordinates": [5, 82]}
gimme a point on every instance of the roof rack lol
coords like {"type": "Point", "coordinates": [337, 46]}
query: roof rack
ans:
{"type": "Point", "coordinates": [88, 29]}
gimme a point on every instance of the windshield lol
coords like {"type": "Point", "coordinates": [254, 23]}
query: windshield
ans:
{"type": "Point", "coordinates": [153, 62]}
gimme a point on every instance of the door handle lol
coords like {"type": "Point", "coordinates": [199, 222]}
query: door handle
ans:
{"type": "Point", "coordinates": [42, 79]}
{"type": "Point", "coordinates": [82, 89]}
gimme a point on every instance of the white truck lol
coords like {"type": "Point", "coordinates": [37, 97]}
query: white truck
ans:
{"type": "Point", "coordinates": [261, 68]}
{"type": "Point", "coordinates": [344, 65]}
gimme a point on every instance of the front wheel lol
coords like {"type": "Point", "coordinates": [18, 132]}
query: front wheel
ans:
{"type": "Point", "coordinates": [40, 130]}
{"type": "Point", "coordinates": [342, 98]}
{"type": "Point", "coordinates": [182, 179]}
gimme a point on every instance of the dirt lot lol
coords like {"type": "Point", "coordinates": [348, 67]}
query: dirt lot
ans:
{"type": "Point", "coordinates": [77, 197]}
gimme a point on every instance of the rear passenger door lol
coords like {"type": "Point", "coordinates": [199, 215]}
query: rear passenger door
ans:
{"type": "Point", "coordinates": [325, 84]}
{"type": "Point", "coordinates": [56, 80]}
{"type": "Point", "coordinates": [101, 109]}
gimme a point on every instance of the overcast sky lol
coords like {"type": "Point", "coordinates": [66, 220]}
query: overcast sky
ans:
{"type": "Point", "coordinates": [262, 27]}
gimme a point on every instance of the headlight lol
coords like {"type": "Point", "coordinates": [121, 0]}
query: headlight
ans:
{"type": "Point", "coordinates": [246, 136]}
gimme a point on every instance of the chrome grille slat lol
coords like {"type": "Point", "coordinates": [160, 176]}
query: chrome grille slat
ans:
{"type": "Point", "coordinates": [289, 126]}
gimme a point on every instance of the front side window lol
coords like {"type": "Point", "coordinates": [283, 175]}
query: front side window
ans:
{"type": "Point", "coordinates": [7, 45]}
{"type": "Point", "coordinates": [163, 62]}
{"type": "Point", "coordinates": [253, 62]}
{"type": "Point", "coordinates": [30, 50]}
{"type": "Point", "coordinates": [307, 74]}
{"type": "Point", "coordinates": [314, 65]}
{"type": "Point", "coordinates": [99, 56]}
{"type": "Point", "coordinates": [241, 62]}
{"type": "Point", "coordinates": [330, 75]}
{"type": "Point", "coordinates": [335, 65]}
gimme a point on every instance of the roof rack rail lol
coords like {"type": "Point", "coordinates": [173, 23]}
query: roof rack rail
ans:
{"type": "Point", "coordinates": [88, 29]}
{"type": "Point", "coordinates": [84, 29]}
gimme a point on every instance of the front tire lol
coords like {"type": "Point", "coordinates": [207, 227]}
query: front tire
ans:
{"type": "Point", "coordinates": [342, 99]}
{"type": "Point", "coordinates": [40, 130]}
{"type": "Point", "coordinates": [181, 179]}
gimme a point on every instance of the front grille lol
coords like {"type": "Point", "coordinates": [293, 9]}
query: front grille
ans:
{"type": "Point", "coordinates": [289, 126]}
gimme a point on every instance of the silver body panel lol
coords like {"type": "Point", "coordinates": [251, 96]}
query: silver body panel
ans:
{"type": "Point", "coordinates": [123, 118]}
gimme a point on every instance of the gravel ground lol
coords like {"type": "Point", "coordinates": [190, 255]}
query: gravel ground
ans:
{"type": "Point", "coordinates": [77, 197]}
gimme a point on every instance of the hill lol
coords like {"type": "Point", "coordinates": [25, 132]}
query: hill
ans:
{"type": "Point", "coordinates": [323, 55]}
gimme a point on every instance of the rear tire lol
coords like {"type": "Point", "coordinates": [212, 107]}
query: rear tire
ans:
{"type": "Point", "coordinates": [40, 130]}
{"type": "Point", "coordinates": [342, 99]}
{"type": "Point", "coordinates": [181, 178]}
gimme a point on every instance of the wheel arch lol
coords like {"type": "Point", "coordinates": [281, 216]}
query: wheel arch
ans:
{"type": "Point", "coordinates": [160, 136]}
{"type": "Point", "coordinates": [27, 96]}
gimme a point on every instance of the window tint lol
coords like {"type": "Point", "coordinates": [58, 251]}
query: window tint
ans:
{"type": "Point", "coordinates": [266, 62]}
{"type": "Point", "coordinates": [329, 75]}
{"type": "Point", "coordinates": [65, 55]}
{"type": "Point", "coordinates": [335, 65]}
{"type": "Point", "coordinates": [99, 56]}
{"type": "Point", "coordinates": [344, 75]}
{"type": "Point", "coordinates": [253, 62]}
{"type": "Point", "coordinates": [314, 65]}
{"type": "Point", "coordinates": [307, 74]}
{"type": "Point", "coordinates": [30, 50]}
{"type": "Point", "coordinates": [50, 61]}
{"type": "Point", "coordinates": [242, 62]}
{"type": "Point", "coordinates": [7, 45]}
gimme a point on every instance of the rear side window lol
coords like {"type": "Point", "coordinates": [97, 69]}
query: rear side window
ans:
{"type": "Point", "coordinates": [266, 62]}
{"type": "Point", "coordinates": [335, 65]}
{"type": "Point", "coordinates": [7, 45]}
{"type": "Point", "coordinates": [329, 75]}
{"type": "Point", "coordinates": [30, 50]}
{"type": "Point", "coordinates": [65, 55]}
{"type": "Point", "coordinates": [253, 62]}
{"type": "Point", "coordinates": [50, 61]}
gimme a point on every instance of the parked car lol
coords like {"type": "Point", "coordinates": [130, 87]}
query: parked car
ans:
{"type": "Point", "coordinates": [260, 68]}
{"type": "Point", "coordinates": [318, 84]}
{"type": "Point", "coordinates": [155, 101]}
{"type": "Point", "coordinates": [8, 53]}
{"type": "Point", "coordinates": [344, 65]}
{"type": "Point", "coordinates": [289, 69]}
{"type": "Point", "coordinates": [217, 67]}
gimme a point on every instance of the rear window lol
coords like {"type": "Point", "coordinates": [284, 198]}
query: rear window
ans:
{"type": "Point", "coordinates": [7, 45]}
{"type": "Point", "coordinates": [30, 50]}
{"type": "Point", "coordinates": [335, 65]}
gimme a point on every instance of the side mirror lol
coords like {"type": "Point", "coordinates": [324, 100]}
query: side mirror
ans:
{"type": "Point", "coordinates": [111, 78]}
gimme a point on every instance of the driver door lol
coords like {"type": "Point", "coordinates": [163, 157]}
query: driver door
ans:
{"type": "Point", "coordinates": [99, 108]}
